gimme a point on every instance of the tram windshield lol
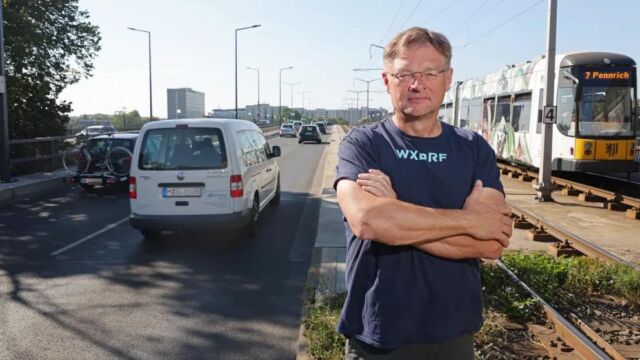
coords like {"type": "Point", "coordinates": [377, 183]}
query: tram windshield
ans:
{"type": "Point", "coordinates": [606, 111]}
{"type": "Point", "coordinates": [601, 100]}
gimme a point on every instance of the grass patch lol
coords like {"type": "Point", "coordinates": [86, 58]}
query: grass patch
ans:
{"type": "Point", "coordinates": [325, 343]}
{"type": "Point", "coordinates": [502, 295]}
{"type": "Point", "coordinates": [579, 277]}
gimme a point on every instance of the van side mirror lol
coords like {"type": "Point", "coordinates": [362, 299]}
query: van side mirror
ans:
{"type": "Point", "coordinates": [275, 151]}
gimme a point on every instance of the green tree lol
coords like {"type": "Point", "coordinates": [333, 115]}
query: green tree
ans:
{"type": "Point", "coordinates": [49, 44]}
{"type": "Point", "coordinates": [133, 120]}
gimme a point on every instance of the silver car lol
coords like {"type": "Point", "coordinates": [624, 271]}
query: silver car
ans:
{"type": "Point", "coordinates": [287, 130]}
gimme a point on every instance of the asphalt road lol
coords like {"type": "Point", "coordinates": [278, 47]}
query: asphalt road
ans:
{"type": "Point", "coordinates": [185, 296]}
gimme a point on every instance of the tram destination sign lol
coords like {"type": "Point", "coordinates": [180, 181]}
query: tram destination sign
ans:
{"type": "Point", "coordinates": [606, 75]}
{"type": "Point", "coordinates": [603, 76]}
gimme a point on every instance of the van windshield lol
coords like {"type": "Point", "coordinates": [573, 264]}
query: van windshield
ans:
{"type": "Point", "coordinates": [183, 149]}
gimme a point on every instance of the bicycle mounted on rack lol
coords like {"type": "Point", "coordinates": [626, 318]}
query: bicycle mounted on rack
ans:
{"type": "Point", "coordinates": [102, 161]}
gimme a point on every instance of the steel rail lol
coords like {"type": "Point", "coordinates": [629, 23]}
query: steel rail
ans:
{"type": "Point", "coordinates": [584, 246]}
{"type": "Point", "coordinates": [574, 337]}
{"type": "Point", "coordinates": [610, 196]}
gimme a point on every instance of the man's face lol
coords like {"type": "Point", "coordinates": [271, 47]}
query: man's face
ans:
{"type": "Point", "coordinates": [414, 94]}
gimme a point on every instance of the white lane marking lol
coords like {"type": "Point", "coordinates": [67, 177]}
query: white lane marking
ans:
{"type": "Point", "coordinates": [89, 237]}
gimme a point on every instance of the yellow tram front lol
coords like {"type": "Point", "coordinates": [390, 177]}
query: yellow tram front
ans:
{"type": "Point", "coordinates": [596, 101]}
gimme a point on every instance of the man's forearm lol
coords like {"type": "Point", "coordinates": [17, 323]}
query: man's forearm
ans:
{"type": "Point", "coordinates": [462, 247]}
{"type": "Point", "coordinates": [395, 222]}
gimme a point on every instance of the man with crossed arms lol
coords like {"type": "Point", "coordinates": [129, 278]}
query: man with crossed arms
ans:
{"type": "Point", "coordinates": [422, 202]}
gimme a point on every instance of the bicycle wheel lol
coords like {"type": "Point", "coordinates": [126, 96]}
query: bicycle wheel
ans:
{"type": "Point", "coordinates": [119, 161]}
{"type": "Point", "coordinates": [76, 160]}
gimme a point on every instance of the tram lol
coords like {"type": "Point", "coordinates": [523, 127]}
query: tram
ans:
{"type": "Point", "coordinates": [595, 94]}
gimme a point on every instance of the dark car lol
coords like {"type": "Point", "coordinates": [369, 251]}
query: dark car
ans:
{"type": "Point", "coordinates": [102, 161]}
{"type": "Point", "coordinates": [322, 127]}
{"type": "Point", "coordinates": [309, 133]}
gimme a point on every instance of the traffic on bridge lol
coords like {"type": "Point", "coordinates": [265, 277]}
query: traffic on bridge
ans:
{"type": "Point", "coordinates": [405, 195]}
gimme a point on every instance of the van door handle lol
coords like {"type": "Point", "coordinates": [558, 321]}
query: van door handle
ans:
{"type": "Point", "coordinates": [268, 170]}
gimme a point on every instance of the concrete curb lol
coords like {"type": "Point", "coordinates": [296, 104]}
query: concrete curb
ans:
{"type": "Point", "coordinates": [32, 185]}
{"type": "Point", "coordinates": [315, 278]}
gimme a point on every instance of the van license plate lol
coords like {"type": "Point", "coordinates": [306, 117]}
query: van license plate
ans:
{"type": "Point", "coordinates": [91, 181]}
{"type": "Point", "coordinates": [181, 192]}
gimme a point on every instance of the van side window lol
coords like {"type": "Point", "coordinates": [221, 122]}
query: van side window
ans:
{"type": "Point", "coordinates": [262, 147]}
{"type": "Point", "coordinates": [247, 147]}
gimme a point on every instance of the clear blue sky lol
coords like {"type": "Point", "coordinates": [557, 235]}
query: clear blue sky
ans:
{"type": "Point", "coordinates": [193, 45]}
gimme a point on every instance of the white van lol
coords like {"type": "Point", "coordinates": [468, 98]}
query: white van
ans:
{"type": "Point", "coordinates": [201, 174]}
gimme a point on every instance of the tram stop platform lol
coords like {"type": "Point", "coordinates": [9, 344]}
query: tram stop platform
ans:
{"type": "Point", "coordinates": [592, 221]}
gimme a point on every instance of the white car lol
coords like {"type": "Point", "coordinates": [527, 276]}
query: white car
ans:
{"type": "Point", "coordinates": [287, 130]}
{"type": "Point", "coordinates": [297, 125]}
{"type": "Point", "coordinates": [201, 174]}
{"type": "Point", "coordinates": [95, 130]}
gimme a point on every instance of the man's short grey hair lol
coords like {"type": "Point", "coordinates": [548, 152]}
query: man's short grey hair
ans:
{"type": "Point", "coordinates": [417, 36]}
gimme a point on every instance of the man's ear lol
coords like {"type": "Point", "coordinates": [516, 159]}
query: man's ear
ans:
{"type": "Point", "coordinates": [449, 77]}
{"type": "Point", "coordinates": [385, 79]}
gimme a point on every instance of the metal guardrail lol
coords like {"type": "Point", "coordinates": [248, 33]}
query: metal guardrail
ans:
{"type": "Point", "coordinates": [48, 151]}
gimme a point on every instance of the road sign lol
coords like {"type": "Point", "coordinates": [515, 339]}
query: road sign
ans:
{"type": "Point", "coordinates": [549, 114]}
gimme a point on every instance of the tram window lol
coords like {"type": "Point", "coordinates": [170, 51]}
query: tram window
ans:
{"type": "Point", "coordinates": [521, 113]}
{"type": "Point", "coordinates": [441, 113]}
{"type": "Point", "coordinates": [566, 120]}
{"type": "Point", "coordinates": [448, 112]}
{"type": "Point", "coordinates": [487, 117]}
{"type": "Point", "coordinates": [475, 114]}
{"type": "Point", "coordinates": [539, 124]}
{"type": "Point", "coordinates": [464, 113]}
{"type": "Point", "coordinates": [503, 110]}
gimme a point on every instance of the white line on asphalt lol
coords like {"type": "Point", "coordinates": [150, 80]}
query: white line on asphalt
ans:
{"type": "Point", "coordinates": [89, 237]}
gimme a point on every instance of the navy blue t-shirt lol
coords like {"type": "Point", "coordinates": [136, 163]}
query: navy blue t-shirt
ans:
{"type": "Point", "coordinates": [399, 295]}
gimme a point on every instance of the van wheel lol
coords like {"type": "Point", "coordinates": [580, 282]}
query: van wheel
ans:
{"type": "Point", "coordinates": [151, 234]}
{"type": "Point", "coordinates": [252, 227]}
{"type": "Point", "coordinates": [276, 197]}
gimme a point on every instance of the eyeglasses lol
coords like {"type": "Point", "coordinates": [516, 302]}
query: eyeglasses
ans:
{"type": "Point", "coordinates": [427, 76]}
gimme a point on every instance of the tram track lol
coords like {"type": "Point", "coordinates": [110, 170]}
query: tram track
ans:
{"type": "Point", "coordinates": [604, 322]}
{"type": "Point", "coordinates": [585, 328]}
{"type": "Point", "coordinates": [613, 197]}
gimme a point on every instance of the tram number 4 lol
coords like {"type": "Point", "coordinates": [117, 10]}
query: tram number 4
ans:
{"type": "Point", "coordinates": [549, 113]}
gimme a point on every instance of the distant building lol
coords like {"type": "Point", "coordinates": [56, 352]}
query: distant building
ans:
{"type": "Point", "coordinates": [183, 103]}
{"type": "Point", "coordinates": [269, 113]}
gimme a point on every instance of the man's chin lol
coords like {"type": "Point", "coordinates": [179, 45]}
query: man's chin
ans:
{"type": "Point", "coordinates": [416, 114]}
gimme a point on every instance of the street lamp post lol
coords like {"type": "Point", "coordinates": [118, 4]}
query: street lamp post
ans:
{"type": "Point", "coordinates": [5, 159]}
{"type": "Point", "coordinates": [303, 93]}
{"type": "Point", "coordinates": [150, 86]}
{"type": "Point", "coordinates": [258, 104]}
{"type": "Point", "coordinates": [357, 102]}
{"type": "Point", "coordinates": [236, 62]}
{"type": "Point", "coordinates": [280, 94]}
{"type": "Point", "coordinates": [368, 82]}
{"type": "Point", "coordinates": [292, 85]}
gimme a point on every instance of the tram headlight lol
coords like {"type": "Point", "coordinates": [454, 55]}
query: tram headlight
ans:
{"type": "Point", "coordinates": [588, 148]}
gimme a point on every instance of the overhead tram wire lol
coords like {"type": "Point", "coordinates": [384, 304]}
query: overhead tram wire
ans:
{"type": "Point", "coordinates": [384, 36]}
{"type": "Point", "coordinates": [500, 25]}
{"type": "Point", "coordinates": [414, 10]}
{"type": "Point", "coordinates": [489, 11]}
{"type": "Point", "coordinates": [468, 18]}
{"type": "Point", "coordinates": [441, 12]}
{"type": "Point", "coordinates": [411, 14]}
